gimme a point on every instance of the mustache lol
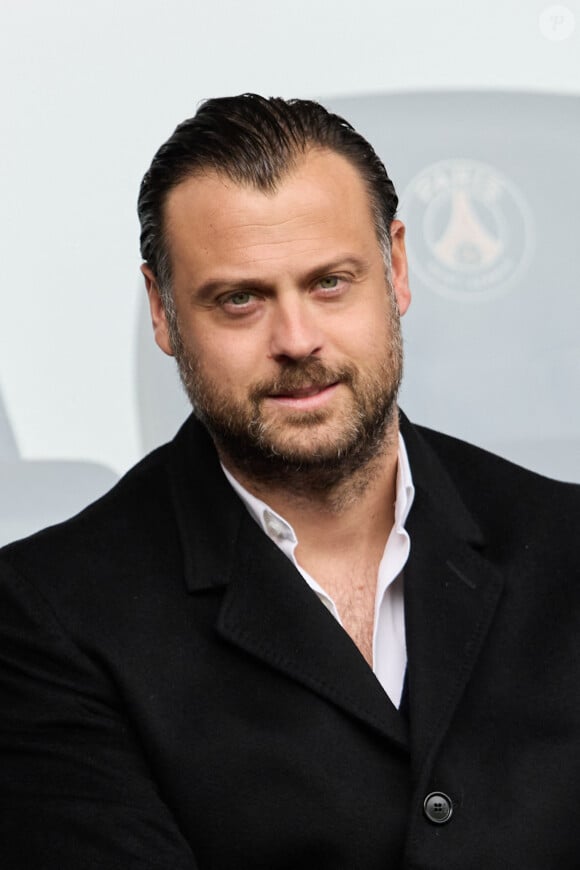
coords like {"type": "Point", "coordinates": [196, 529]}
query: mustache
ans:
{"type": "Point", "coordinates": [301, 375]}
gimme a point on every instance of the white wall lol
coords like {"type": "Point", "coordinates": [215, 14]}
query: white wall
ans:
{"type": "Point", "coordinates": [89, 90]}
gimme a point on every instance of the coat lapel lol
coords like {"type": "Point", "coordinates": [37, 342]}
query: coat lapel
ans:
{"type": "Point", "coordinates": [271, 613]}
{"type": "Point", "coordinates": [268, 610]}
{"type": "Point", "coordinates": [451, 592]}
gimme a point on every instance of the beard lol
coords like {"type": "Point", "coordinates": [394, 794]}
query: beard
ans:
{"type": "Point", "coordinates": [309, 451]}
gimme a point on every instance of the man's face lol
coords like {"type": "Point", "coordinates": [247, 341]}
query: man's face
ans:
{"type": "Point", "coordinates": [288, 338]}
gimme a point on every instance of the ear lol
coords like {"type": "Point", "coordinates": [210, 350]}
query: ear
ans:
{"type": "Point", "coordinates": [400, 272]}
{"type": "Point", "coordinates": [158, 316]}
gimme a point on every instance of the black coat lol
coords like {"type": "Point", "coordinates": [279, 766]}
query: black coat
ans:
{"type": "Point", "coordinates": [174, 696]}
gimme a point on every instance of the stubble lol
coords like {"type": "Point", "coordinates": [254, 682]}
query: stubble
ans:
{"type": "Point", "coordinates": [309, 453]}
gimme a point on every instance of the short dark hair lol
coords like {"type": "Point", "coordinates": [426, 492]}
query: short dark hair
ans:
{"type": "Point", "coordinates": [253, 140]}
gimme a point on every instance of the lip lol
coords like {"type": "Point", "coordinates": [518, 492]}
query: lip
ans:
{"type": "Point", "coordinates": [305, 399]}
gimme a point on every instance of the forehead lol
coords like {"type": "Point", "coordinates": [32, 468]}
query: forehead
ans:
{"type": "Point", "coordinates": [323, 201]}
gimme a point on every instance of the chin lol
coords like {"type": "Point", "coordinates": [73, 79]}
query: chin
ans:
{"type": "Point", "coordinates": [310, 447]}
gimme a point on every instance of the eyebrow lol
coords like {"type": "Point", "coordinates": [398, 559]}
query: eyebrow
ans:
{"type": "Point", "coordinates": [214, 285]}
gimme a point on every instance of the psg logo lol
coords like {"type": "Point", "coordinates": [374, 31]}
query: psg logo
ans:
{"type": "Point", "coordinates": [470, 229]}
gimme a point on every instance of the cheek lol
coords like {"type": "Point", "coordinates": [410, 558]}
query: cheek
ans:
{"type": "Point", "coordinates": [230, 362]}
{"type": "Point", "coordinates": [368, 334]}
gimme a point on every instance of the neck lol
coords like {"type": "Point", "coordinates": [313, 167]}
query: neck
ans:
{"type": "Point", "coordinates": [344, 512]}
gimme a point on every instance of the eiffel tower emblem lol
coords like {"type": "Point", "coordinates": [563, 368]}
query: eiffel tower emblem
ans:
{"type": "Point", "coordinates": [466, 243]}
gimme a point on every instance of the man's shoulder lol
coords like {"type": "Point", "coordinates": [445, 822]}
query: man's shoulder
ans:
{"type": "Point", "coordinates": [119, 523]}
{"type": "Point", "coordinates": [126, 559]}
{"type": "Point", "coordinates": [467, 461]}
{"type": "Point", "coordinates": [501, 495]}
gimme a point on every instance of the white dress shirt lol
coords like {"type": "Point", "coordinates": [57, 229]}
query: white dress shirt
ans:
{"type": "Point", "coordinates": [389, 647]}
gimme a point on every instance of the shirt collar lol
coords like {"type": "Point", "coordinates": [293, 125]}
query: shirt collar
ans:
{"type": "Point", "coordinates": [405, 488]}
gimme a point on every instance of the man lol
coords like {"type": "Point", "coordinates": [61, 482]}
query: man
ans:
{"type": "Point", "coordinates": [306, 633]}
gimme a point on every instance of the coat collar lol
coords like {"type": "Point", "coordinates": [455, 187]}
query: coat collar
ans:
{"type": "Point", "coordinates": [269, 612]}
{"type": "Point", "coordinates": [208, 513]}
{"type": "Point", "coordinates": [436, 486]}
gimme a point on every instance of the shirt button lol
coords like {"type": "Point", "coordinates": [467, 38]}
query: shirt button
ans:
{"type": "Point", "coordinates": [274, 527]}
{"type": "Point", "coordinates": [438, 807]}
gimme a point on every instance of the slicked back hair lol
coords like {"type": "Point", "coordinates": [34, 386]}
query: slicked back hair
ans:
{"type": "Point", "coordinates": [254, 141]}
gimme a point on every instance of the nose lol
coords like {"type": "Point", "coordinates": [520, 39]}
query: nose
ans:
{"type": "Point", "coordinates": [295, 330]}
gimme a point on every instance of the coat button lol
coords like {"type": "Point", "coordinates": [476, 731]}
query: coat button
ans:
{"type": "Point", "coordinates": [438, 807]}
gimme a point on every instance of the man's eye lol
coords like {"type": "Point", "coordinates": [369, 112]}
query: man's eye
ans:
{"type": "Point", "coordinates": [329, 283]}
{"type": "Point", "coordinates": [239, 303]}
{"type": "Point", "coordinates": [238, 299]}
